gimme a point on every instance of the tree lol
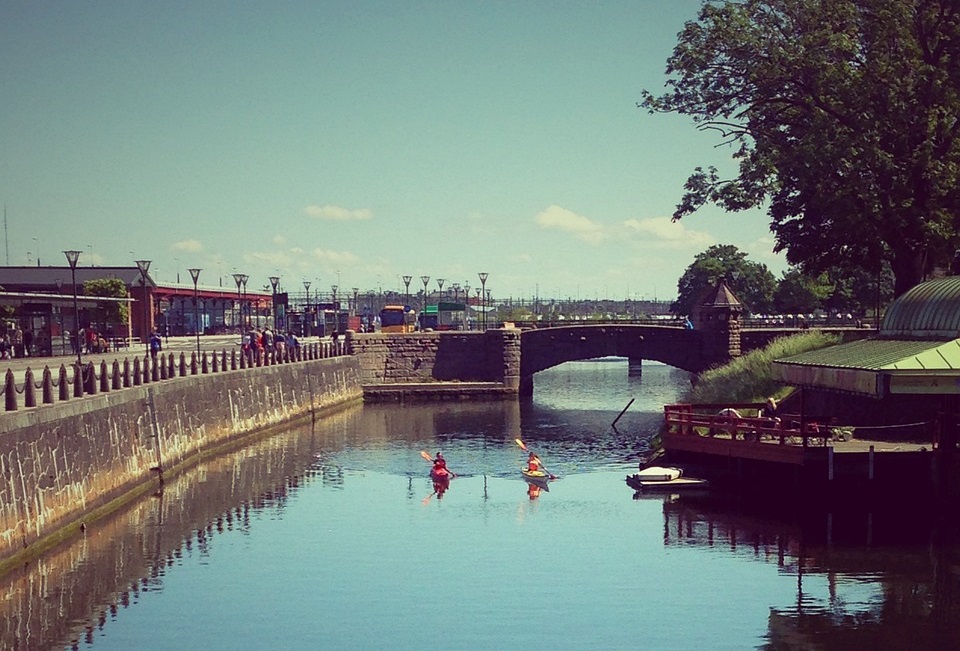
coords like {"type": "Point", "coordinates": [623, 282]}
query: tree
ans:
{"type": "Point", "coordinates": [112, 288]}
{"type": "Point", "coordinates": [797, 293]}
{"type": "Point", "coordinates": [844, 117]}
{"type": "Point", "coordinates": [752, 282]}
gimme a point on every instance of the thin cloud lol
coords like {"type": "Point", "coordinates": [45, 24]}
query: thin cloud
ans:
{"type": "Point", "coordinates": [337, 213]}
{"type": "Point", "coordinates": [568, 221]}
{"type": "Point", "coordinates": [191, 246]}
{"type": "Point", "coordinates": [335, 257]}
{"type": "Point", "coordinates": [662, 232]}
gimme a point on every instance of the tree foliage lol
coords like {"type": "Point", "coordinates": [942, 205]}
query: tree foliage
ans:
{"type": "Point", "coordinates": [752, 282]}
{"type": "Point", "coordinates": [109, 287]}
{"type": "Point", "coordinates": [844, 117]}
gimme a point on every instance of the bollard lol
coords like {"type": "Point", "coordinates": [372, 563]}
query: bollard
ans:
{"type": "Point", "coordinates": [126, 373]}
{"type": "Point", "coordinates": [137, 380]}
{"type": "Point", "coordinates": [104, 378]}
{"type": "Point", "coordinates": [64, 384]}
{"type": "Point", "coordinates": [89, 379]}
{"type": "Point", "coordinates": [10, 391]}
{"type": "Point", "coordinates": [29, 396]}
{"type": "Point", "coordinates": [204, 367]}
{"type": "Point", "coordinates": [116, 379]}
{"type": "Point", "coordinates": [47, 386]}
{"type": "Point", "coordinates": [193, 363]}
{"type": "Point", "coordinates": [77, 380]}
{"type": "Point", "coordinates": [183, 365]}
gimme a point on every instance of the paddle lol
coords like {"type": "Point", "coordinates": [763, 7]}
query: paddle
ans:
{"type": "Point", "coordinates": [542, 467]}
{"type": "Point", "coordinates": [426, 455]}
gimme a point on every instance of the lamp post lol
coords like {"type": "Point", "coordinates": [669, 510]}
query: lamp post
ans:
{"type": "Point", "coordinates": [483, 294]}
{"type": "Point", "coordinates": [466, 300]}
{"type": "Point", "coordinates": [274, 281]}
{"type": "Point", "coordinates": [440, 282]}
{"type": "Point", "coordinates": [72, 257]}
{"type": "Point", "coordinates": [424, 280]}
{"type": "Point", "coordinates": [306, 307]}
{"type": "Point", "coordinates": [195, 274]}
{"type": "Point", "coordinates": [356, 299]}
{"type": "Point", "coordinates": [336, 309]}
{"type": "Point", "coordinates": [240, 279]}
{"type": "Point", "coordinates": [406, 282]}
{"type": "Point", "coordinates": [144, 267]}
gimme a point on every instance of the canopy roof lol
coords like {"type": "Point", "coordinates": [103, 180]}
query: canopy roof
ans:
{"type": "Point", "coordinates": [917, 350]}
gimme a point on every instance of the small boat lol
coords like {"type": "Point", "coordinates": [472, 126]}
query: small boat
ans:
{"type": "Point", "coordinates": [659, 473]}
{"type": "Point", "coordinates": [440, 475]}
{"type": "Point", "coordinates": [535, 476]}
{"type": "Point", "coordinates": [660, 478]}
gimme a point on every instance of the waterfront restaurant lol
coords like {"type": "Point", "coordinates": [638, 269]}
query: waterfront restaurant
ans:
{"type": "Point", "coordinates": [907, 377]}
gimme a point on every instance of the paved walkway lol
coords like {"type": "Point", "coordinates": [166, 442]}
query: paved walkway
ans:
{"type": "Point", "coordinates": [173, 344]}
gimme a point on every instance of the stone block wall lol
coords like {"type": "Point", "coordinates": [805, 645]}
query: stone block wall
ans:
{"type": "Point", "coordinates": [60, 462]}
{"type": "Point", "coordinates": [490, 356]}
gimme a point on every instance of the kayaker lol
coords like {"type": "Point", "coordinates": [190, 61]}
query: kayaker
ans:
{"type": "Point", "coordinates": [533, 463]}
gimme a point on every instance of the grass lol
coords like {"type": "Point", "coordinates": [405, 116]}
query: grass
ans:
{"type": "Point", "coordinates": [749, 378]}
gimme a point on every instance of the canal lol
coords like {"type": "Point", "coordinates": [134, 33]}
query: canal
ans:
{"type": "Point", "coordinates": [332, 537]}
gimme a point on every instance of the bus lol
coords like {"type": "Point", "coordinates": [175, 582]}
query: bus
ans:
{"type": "Point", "coordinates": [443, 316]}
{"type": "Point", "coordinates": [397, 318]}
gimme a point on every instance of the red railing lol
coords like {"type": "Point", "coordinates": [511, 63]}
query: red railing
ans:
{"type": "Point", "coordinates": [731, 421]}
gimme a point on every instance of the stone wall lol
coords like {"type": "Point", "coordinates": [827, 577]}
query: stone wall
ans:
{"type": "Point", "coordinates": [60, 463]}
{"type": "Point", "coordinates": [490, 356]}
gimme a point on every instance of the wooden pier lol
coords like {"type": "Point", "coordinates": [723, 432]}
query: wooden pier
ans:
{"type": "Point", "coordinates": [735, 448]}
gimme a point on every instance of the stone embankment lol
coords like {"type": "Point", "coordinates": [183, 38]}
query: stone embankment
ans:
{"type": "Point", "coordinates": [68, 462]}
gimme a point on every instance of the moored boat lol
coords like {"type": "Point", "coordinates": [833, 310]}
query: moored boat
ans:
{"type": "Point", "coordinates": [660, 478]}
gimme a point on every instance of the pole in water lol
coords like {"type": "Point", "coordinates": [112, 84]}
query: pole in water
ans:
{"type": "Point", "coordinates": [622, 412]}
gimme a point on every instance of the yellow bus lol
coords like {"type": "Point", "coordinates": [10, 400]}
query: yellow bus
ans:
{"type": "Point", "coordinates": [397, 318]}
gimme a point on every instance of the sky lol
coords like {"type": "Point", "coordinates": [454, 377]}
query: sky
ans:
{"type": "Point", "coordinates": [353, 143]}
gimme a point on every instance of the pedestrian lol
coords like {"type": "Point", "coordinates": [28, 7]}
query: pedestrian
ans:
{"type": "Point", "coordinates": [155, 345]}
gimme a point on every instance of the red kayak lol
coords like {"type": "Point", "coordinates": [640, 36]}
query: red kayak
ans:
{"type": "Point", "coordinates": [440, 474]}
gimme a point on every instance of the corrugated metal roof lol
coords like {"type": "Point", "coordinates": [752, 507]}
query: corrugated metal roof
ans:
{"type": "Point", "coordinates": [26, 278]}
{"type": "Point", "coordinates": [884, 355]}
{"type": "Point", "coordinates": [931, 310]}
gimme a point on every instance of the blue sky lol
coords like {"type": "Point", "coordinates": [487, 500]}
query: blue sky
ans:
{"type": "Point", "coordinates": [357, 142]}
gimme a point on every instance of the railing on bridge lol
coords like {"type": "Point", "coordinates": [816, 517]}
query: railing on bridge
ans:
{"type": "Point", "coordinates": [732, 422]}
{"type": "Point", "coordinates": [103, 378]}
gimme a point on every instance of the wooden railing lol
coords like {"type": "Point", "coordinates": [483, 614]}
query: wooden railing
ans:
{"type": "Point", "coordinates": [76, 381]}
{"type": "Point", "coordinates": [733, 422]}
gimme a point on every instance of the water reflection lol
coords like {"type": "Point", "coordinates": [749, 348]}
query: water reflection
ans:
{"type": "Point", "coordinates": [349, 507]}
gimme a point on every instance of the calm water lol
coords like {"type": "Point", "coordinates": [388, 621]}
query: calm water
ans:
{"type": "Point", "coordinates": [334, 538]}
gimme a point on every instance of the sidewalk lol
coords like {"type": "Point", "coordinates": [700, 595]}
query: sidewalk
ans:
{"type": "Point", "coordinates": [170, 345]}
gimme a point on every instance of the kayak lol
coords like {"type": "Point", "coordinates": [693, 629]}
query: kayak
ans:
{"type": "Point", "coordinates": [441, 474]}
{"type": "Point", "coordinates": [536, 476]}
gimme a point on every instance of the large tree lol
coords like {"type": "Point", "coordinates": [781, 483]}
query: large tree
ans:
{"type": "Point", "coordinates": [844, 117]}
{"type": "Point", "coordinates": [752, 282]}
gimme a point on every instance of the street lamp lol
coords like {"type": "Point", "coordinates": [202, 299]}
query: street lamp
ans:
{"type": "Point", "coordinates": [336, 309]}
{"type": "Point", "coordinates": [466, 300]}
{"type": "Point", "coordinates": [195, 274]}
{"type": "Point", "coordinates": [483, 286]}
{"type": "Point", "coordinates": [274, 281]}
{"type": "Point", "coordinates": [240, 279]}
{"type": "Point", "coordinates": [406, 282]}
{"type": "Point", "coordinates": [440, 282]}
{"type": "Point", "coordinates": [144, 267]}
{"type": "Point", "coordinates": [72, 257]}
{"type": "Point", "coordinates": [356, 304]}
{"type": "Point", "coordinates": [425, 280]}
{"type": "Point", "coordinates": [306, 307]}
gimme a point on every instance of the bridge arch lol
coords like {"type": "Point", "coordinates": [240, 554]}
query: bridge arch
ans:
{"type": "Point", "coordinates": [544, 348]}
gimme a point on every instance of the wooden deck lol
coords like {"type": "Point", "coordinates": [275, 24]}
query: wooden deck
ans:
{"type": "Point", "coordinates": [721, 443]}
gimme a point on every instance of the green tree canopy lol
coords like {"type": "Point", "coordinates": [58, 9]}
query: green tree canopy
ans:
{"type": "Point", "coordinates": [109, 287]}
{"type": "Point", "coordinates": [752, 282]}
{"type": "Point", "coordinates": [844, 117]}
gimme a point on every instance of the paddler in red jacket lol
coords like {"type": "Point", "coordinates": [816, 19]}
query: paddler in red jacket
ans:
{"type": "Point", "coordinates": [533, 463]}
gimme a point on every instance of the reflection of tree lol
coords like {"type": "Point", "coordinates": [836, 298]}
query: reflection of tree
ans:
{"type": "Point", "coordinates": [871, 588]}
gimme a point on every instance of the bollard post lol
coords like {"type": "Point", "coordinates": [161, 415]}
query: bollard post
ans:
{"type": "Point", "coordinates": [64, 384]}
{"type": "Point", "coordinates": [47, 386]}
{"type": "Point", "coordinates": [29, 395]}
{"type": "Point", "coordinates": [10, 391]}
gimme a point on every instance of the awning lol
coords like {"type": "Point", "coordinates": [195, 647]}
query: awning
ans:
{"type": "Point", "coordinates": [875, 367]}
